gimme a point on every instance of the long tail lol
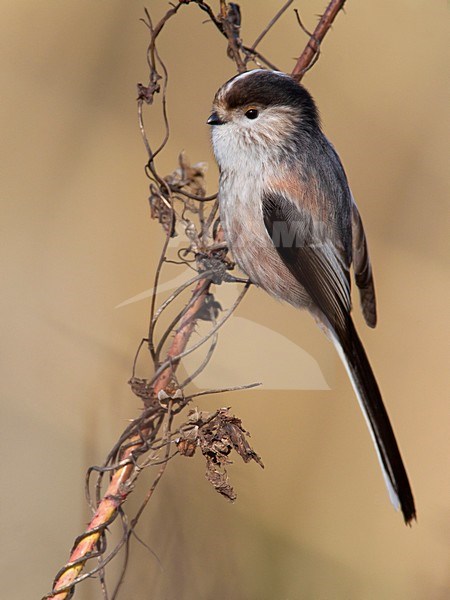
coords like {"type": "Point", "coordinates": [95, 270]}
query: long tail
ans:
{"type": "Point", "coordinates": [355, 360]}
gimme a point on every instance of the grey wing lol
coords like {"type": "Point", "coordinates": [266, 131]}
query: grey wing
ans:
{"type": "Point", "coordinates": [358, 250]}
{"type": "Point", "coordinates": [363, 269]}
{"type": "Point", "coordinates": [312, 259]}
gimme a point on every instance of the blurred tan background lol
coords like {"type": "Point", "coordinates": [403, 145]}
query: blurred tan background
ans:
{"type": "Point", "coordinates": [76, 241]}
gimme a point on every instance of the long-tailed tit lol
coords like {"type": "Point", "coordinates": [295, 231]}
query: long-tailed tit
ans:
{"type": "Point", "coordinates": [293, 227]}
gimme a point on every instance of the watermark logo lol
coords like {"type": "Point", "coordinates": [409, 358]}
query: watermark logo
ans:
{"type": "Point", "coordinates": [247, 350]}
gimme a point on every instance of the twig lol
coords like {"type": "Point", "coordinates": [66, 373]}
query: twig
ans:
{"type": "Point", "coordinates": [282, 10]}
{"type": "Point", "coordinates": [234, 388]}
{"type": "Point", "coordinates": [206, 359]}
{"type": "Point", "coordinates": [197, 292]}
{"type": "Point", "coordinates": [151, 344]}
{"type": "Point", "coordinates": [256, 56]}
{"type": "Point", "coordinates": [311, 50]}
{"type": "Point", "coordinates": [176, 293]}
{"type": "Point", "coordinates": [174, 357]}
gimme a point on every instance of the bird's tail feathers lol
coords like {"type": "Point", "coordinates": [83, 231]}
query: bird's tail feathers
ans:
{"type": "Point", "coordinates": [354, 358]}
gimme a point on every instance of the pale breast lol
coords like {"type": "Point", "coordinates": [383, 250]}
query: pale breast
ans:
{"type": "Point", "coordinates": [252, 248]}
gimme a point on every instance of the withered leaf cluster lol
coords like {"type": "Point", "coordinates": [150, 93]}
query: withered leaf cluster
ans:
{"type": "Point", "coordinates": [186, 184]}
{"type": "Point", "coordinates": [217, 435]}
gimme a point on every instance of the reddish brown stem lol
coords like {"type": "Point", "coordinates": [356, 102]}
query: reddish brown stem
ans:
{"type": "Point", "coordinates": [119, 487]}
{"type": "Point", "coordinates": [311, 50]}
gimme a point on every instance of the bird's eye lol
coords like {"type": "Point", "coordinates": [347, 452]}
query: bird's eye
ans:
{"type": "Point", "coordinates": [252, 113]}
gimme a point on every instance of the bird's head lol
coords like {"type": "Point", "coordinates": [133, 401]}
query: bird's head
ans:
{"type": "Point", "coordinates": [260, 112]}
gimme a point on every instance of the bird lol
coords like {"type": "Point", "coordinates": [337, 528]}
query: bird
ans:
{"type": "Point", "coordinates": [293, 227]}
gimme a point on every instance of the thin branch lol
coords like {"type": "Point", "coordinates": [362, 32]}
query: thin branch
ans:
{"type": "Point", "coordinates": [176, 293]}
{"type": "Point", "coordinates": [193, 196]}
{"type": "Point", "coordinates": [264, 32]}
{"type": "Point", "coordinates": [176, 319]}
{"type": "Point", "coordinates": [206, 359]}
{"type": "Point", "coordinates": [235, 388]}
{"type": "Point", "coordinates": [175, 357]}
{"type": "Point", "coordinates": [257, 57]}
{"type": "Point", "coordinates": [311, 50]}
{"type": "Point", "coordinates": [151, 344]}
{"type": "Point", "coordinates": [228, 23]}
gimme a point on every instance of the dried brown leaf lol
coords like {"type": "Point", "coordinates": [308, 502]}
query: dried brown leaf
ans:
{"type": "Point", "coordinates": [217, 435]}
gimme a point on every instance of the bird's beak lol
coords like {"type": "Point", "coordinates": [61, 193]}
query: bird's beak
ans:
{"type": "Point", "coordinates": [214, 119]}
